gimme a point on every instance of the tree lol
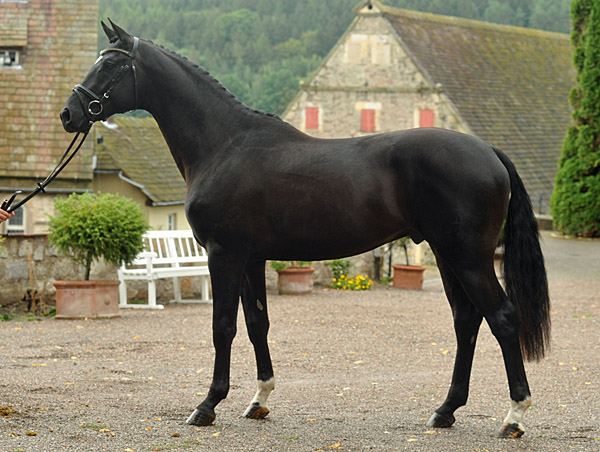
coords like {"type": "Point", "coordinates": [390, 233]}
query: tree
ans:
{"type": "Point", "coordinates": [277, 89]}
{"type": "Point", "coordinates": [90, 226]}
{"type": "Point", "coordinates": [551, 15]}
{"type": "Point", "coordinates": [575, 202]}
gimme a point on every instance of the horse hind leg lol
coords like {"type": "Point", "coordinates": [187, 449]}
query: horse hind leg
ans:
{"type": "Point", "coordinates": [254, 302]}
{"type": "Point", "coordinates": [484, 291]}
{"type": "Point", "coordinates": [467, 320]}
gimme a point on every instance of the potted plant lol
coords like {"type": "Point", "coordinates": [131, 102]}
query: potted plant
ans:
{"type": "Point", "coordinates": [407, 276]}
{"type": "Point", "coordinates": [88, 227]}
{"type": "Point", "coordinates": [295, 277]}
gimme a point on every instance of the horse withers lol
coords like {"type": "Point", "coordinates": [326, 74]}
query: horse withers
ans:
{"type": "Point", "coordinates": [259, 189]}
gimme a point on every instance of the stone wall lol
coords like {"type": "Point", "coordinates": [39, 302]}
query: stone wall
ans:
{"type": "Point", "coordinates": [22, 252]}
{"type": "Point", "coordinates": [25, 254]}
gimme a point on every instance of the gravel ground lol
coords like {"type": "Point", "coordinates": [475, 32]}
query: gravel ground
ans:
{"type": "Point", "coordinates": [355, 372]}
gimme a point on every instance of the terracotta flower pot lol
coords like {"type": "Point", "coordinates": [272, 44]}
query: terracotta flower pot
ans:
{"type": "Point", "coordinates": [87, 299]}
{"type": "Point", "coordinates": [408, 277]}
{"type": "Point", "coordinates": [295, 280]}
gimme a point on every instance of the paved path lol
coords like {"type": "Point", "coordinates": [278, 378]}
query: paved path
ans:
{"type": "Point", "coordinates": [355, 372]}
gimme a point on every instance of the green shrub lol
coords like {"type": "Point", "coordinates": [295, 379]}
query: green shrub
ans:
{"type": "Point", "coordinates": [575, 201]}
{"type": "Point", "coordinates": [91, 226]}
{"type": "Point", "coordinates": [282, 265]}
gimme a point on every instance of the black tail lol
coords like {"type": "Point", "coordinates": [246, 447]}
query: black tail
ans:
{"type": "Point", "coordinates": [523, 267]}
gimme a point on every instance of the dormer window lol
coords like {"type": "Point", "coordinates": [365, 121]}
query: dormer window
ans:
{"type": "Point", "coordinates": [9, 58]}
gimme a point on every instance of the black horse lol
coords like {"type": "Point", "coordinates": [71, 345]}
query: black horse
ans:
{"type": "Point", "coordinates": [259, 189]}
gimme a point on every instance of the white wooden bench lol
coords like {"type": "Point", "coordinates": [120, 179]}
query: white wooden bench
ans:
{"type": "Point", "coordinates": [167, 254]}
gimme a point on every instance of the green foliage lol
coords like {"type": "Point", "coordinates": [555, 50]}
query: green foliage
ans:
{"type": "Point", "coordinates": [282, 265]}
{"type": "Point", "coordinates": [341, 269]}
{"type": "Point", "coordinates": [575, 201]}
{"type": "Point", "coordinates": [91, 226]}
{"type": "Point", "coordinates": [261, 49]}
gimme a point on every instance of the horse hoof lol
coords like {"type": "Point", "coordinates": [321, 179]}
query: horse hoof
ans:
{"type": "Point", "coordinates": [438, 420]}
{"type": "Point", "coordinates": [200, 418]}
{"type": "Point", "coordinates": [256, 411]}
{"type": "Point", "coordinates": [514, 430]}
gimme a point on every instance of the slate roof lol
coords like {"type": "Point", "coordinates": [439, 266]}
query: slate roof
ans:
{"type": "Point", "coordinates": [57, 40]}
{"type": "Point", "coordinates": [137, 147]}
{"type": "Point", "coordinates": [509, 84]}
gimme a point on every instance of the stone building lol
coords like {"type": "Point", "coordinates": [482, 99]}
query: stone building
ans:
{"type": "Point", "coordinates": [46, 46]}
{"type": "Point", "coordinates": [396, 69]}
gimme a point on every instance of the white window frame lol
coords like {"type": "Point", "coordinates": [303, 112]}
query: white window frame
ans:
{"type": "Point", "coordinates": [20, 228]}
{"type": "Point", "coordinates": [172, 222]}
{"type": "Point", "coordinates": [5, 54]}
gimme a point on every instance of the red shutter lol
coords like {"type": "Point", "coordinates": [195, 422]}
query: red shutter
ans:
{"type": "Point", "coordinates": [426, 118]}
{"type": "Point", "coordinates": [312, 118]}
{"type": "Point", "coordinates": [367, 120]}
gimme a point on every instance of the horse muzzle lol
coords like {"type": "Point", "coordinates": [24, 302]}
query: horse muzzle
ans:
{"type": "Point", "coordinates": [73, 119]}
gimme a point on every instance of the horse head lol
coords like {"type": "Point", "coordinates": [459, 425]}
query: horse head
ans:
{"type": "Point", "coordinates": [109, 87]}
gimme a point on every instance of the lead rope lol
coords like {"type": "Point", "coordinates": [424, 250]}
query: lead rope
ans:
{"type": "Point", "coordinates": [64, 161]}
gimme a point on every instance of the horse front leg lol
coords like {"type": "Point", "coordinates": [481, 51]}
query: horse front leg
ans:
{"type": "Point", "coordinates": [225, 273]}
{"type": "Point", "coordinates": [254, 301]}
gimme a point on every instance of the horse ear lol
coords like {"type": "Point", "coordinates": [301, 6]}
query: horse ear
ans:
{"type": "Point", "coordinates": [123, 36]}
{"type": "Point", "coordinates": [110, 34]}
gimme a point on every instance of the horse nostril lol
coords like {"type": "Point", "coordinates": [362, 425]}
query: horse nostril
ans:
{"type": "Point", "coordinates": [65, 115]}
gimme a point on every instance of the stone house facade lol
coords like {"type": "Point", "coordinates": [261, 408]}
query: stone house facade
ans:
{"type": "Point", "coordinates": [397, 69]}
{"type": "Point", "coordinates": [46, 46]}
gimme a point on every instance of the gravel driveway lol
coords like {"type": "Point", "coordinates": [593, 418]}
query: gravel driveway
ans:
{"type": "Point", "coordinates": [355, 371]}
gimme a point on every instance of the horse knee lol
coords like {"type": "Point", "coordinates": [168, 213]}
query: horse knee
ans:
{"type": "Point", "coordinates": [223, 336]}
{"type": "Point", "coordinates": [257, 324]}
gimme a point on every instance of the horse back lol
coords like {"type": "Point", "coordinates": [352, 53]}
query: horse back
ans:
{"type": "Point", "coordinates": [301, 196]}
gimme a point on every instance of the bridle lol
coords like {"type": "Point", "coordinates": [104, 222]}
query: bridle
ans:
{"type": "Point", "coordinates": [95, 107]}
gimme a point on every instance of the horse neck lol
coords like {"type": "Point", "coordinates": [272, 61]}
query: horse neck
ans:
{"type": "Point", "coordinates": [195, 113]}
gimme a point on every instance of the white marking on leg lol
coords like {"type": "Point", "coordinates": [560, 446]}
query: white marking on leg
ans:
{"type": "Point", "coordinates": [517, 409]}
{"type": "Point", "coordinates": [260, 399]}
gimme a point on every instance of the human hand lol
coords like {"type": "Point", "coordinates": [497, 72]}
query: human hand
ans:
{"type": "Point", "coordinates": [4, 215]}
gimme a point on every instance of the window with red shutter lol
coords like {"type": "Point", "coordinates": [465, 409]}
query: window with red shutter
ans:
{"type": "Point", "coordinates": [426, 118]}
{"type": "Point", "coordinates": [367, 120]}
{"type": "Point", "coordinates": [312, 118]}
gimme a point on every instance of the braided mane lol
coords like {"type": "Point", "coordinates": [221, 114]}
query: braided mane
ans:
{"type": "Point", "coordinates": [203, 73]}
